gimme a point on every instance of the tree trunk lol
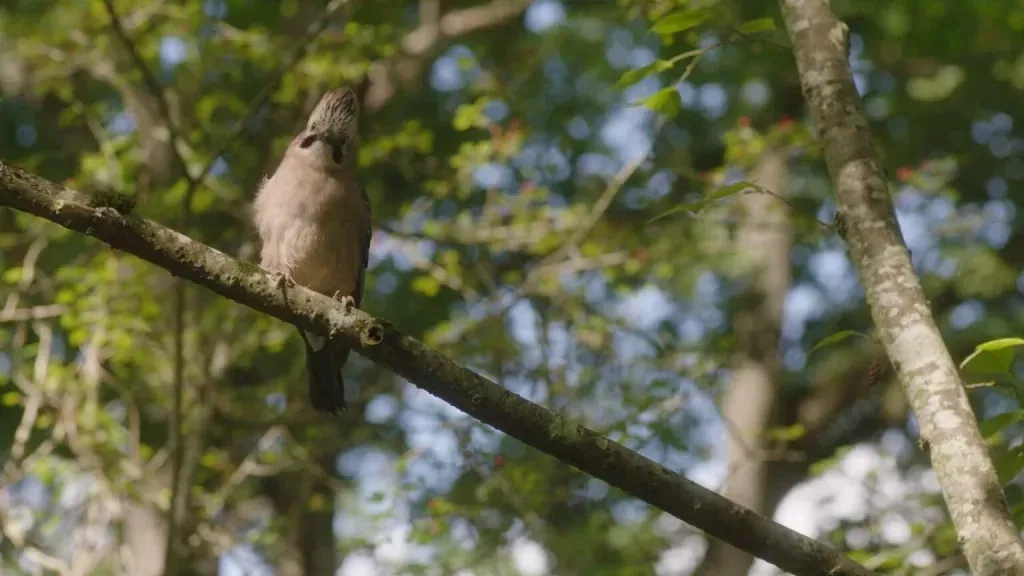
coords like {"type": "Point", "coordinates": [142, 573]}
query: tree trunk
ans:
{"type": "Point", "coordinates": [866, 220]}
{"type": "Point", "coordinates": [145, 535]}
{"type": "Point", "coordinates": [307, 507]}
{"type": "Point", "coordinates": [763, 243]}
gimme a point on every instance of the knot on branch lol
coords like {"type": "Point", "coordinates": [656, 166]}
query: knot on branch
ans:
{"type": "Point", "coordinates": [372, 335]}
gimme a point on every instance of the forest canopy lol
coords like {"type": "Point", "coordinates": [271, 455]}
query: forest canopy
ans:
{"type": "Point", "coordinates": [622, 213]}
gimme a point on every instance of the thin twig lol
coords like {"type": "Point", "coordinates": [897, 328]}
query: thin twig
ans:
{"type": "Point", "coordinates": [314, 30]}
{"type": "Point", "coordinates": [177, 446]}
{"type": "Point", "coordinates": [34, 313]}
{"type": "Point", "coordinates": [381, 83]}
{"type": "Point", "coordinates": [157, 93]}
{"type": "Point", "coordinates": [154, 87]}
{"type": "Point", "coordinates": [606, 199]}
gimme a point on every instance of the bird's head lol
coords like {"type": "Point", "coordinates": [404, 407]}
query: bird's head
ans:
{"type": "Point", "coordinates": [330, 133]}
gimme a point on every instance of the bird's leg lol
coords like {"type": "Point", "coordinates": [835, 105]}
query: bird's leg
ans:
{"type": "Point", "coordinates": [283, 280]}
{"type": "Point", "coordinates": [347, 301]}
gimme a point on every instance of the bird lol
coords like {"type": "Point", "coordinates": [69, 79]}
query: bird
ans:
{"type": "Point", "coordinates": [314, 223]}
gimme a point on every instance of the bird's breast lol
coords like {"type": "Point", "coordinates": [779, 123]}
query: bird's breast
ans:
{"type": "Point", "coordinates": [321, 255]}
{"type": "Point", "coordinates": [312, 227]}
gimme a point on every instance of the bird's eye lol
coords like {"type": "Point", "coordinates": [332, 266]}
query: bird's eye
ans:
{"type": "Point", "coordinates": [337, 153]}
{"type": "Point", "coordinates": [307, 141]}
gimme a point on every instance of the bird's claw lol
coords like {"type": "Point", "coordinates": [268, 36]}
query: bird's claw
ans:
{"type": "Point", "coordinates": [347, 301]}
{"type": "Point", "coordinates": [284, 280]}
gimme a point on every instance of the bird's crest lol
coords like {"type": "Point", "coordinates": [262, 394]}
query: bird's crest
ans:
{"type": "Point", "coordinates": [336, 116]}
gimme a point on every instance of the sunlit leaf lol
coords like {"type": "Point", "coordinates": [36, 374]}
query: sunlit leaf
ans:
{"type": "Point", "coordinates": [714, 195]}
{"type": "Point", "coordinates": [665, 101]}
{"type": "Point", "coordinates": [836, 338]}
{"type": "Point", "coordinates": [992, 357]}
{"type": "Point", "coordinates": [426, 285]}
{"type": "Point", "coordinates": [727, 191]}
{"type": "Point", "coordinates": [637, 74]}
{"type": "Point", "coordinates": [994, 425]}
{"type": "Point", "coordinates": [681, 21]}
{"type": "Point", "coordinates": [794, 432]}
{"type": "Point", "coordinates": [758, 25]}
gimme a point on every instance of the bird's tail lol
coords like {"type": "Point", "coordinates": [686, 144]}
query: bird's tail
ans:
{"type": "Point", "coordinates": [324, 361]}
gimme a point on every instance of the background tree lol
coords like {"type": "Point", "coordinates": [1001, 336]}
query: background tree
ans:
{"type": "Point", "coordinates": [514, 185]}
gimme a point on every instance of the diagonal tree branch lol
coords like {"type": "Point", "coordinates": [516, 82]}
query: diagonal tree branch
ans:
{"type": "Point", "coordinates": [377, 340]}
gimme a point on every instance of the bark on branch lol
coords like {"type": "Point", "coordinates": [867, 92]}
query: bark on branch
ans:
{"type": "Point", "coordinates": [377, 340]}
{"type": "Point", "coordinates": [866, 220]}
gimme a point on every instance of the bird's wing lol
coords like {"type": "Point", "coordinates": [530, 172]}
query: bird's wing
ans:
{"type": "Point", "coordinates": [364, 249]}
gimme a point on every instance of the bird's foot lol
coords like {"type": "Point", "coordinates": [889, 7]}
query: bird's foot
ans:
{"type": "Point", "coordinates": [283, 280]}
{"type": "Point", "coordinates": [347, 301]}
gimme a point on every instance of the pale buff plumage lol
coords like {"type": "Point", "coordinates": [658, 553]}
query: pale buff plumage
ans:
{"type": "Point", "coordinates": [314, 222]}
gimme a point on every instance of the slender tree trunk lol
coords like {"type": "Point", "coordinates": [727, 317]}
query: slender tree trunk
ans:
{"type": "Point", "coordinates": [763, 244]}
{"type": "Point", "coordinates": [307, 507]}
{"type": "Point", "coordinates": [867, 222]}
{"type": "Point", "coordinates": [145, 535]}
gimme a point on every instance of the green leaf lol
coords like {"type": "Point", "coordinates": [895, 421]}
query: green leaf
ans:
{"type": "Point", "coordinates": [440, 506]}
{"type": "Point", "coordinates": [680, 21]}
{"type": "Point", "coordinates": [665, 101]}
{"type": "Point", "coordinates": [758, 25]}
{"type": "Point", "coordinates": [1017, 511]}
{"type": "Point", "coordinates": [1008, 463]}
{"type": "Point", "coordinates": [317, 503]}
{"type": "Point", "coordinates": [426, 285]}
{"type": "Point", "coordinates": [716, 194]}
{"type": "Point", "coordinates": [1001, 343]}
{"type": "Point", "coordinates": [794, 432]}
{"type": "Point", "coordinates": [210, 459]}
{"type": "Point", "coordinates": [687, 207]}
{"type": "Point", "coordinates": [835, 339]}
{"type": "Point", "coordinates": [994, 425]}
{"type": "Point", "coordinates": [726, 191]}
{"type": "Point", "coordinates": [10, 398]}
{"type": "Point", "coordinates": [992, 357]}
{"type": "Point", "coordinates": [1014, 495]}
{"type": "Point", "coordinates": [12, 275]}
{"type": "Point", "coordinates": [637, 74]}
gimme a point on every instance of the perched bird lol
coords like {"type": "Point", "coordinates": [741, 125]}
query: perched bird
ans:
{"type": "Point", "coordinates": [314, 224]}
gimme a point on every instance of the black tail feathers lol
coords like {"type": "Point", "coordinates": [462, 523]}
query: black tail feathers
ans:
{"type": "Point", "coordinates": [324, 361]}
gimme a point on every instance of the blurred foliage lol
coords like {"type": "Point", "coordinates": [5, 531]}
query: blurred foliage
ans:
{"type": "Point", "coordinates": [517, 230]}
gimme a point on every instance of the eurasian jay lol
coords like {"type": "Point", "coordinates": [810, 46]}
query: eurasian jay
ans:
{"type": "Point", "coordinates": [314, 223]}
